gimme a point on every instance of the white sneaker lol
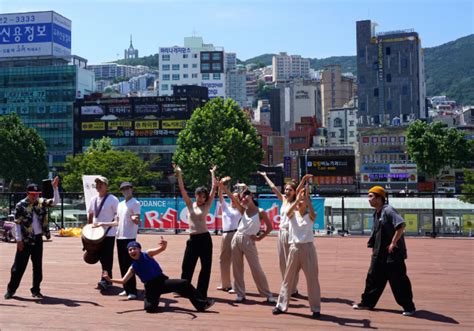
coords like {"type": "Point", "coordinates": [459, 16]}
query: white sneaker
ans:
{"type": "Point", "coordinates": [239, 299]}
{"type": "Point", "coordinates": [131, 297]}
{"type": "Point", "coordinates": [271, 300]}
{"type": "Point", "coordinates": [231, 291]}
{"type": "Point", "coordinates": [123, 293]}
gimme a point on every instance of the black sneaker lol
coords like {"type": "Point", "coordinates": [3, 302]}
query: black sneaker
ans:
{"type": "Point", "coordinates": [8, 295]}
{"type": "Point", "coordinates": [316, 315]}
{"type": "Point", "coordinates": [209, 304]}
{"type": "Point", "coordinates": [409, 312]}
{"type": "Point", "coordinates": [37, 295]}
{"type": "Point", "coordinates": [361, 306]}
{"type": "Point", "coordinates": [277, 311]}
{"type": "Point", "coordinates": [102, 285]}
{"type": "Point", "coordinates": [295, 294]}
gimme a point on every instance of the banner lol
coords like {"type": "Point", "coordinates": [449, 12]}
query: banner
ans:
{"type": "Point", "coordinates": [89, 188]}
{"type": "Point", "coordinates": [411, 221]}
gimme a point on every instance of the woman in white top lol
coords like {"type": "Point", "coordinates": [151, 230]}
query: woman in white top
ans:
{"type": "Point", "coordinates": [243, 244]}
{"type": "Point", "coordinates": [287, 200]}
{"type": "Point", "coordinates": [199, 244]}
{"type": "Point", "coordinates": [302, 255]}
{"type": "Point", "coordinates": [231, 216]}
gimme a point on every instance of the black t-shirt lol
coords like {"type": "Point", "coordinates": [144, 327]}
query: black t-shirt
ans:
{"type": "Point", "coordinates": [386, 223]}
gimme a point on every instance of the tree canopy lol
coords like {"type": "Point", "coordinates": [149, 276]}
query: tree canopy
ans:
{"type": "Point", "coordinates": [23, 153]}
{"type": "Point", "coordinates": [434, 147]}
{"type": "Point", "coordinates": [117, 166]}
{"type": "Point", "coordinates": [219, 134]}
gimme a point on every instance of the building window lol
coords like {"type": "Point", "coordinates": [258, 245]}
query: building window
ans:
{"type": "Point", "coordinates": [205, 67]}
{"type": "Point", "coordinates": [205, 76]}
{"type": "Point", "coordinates": [165, 67]}
{"type": "Point", "coordinates": [337, 122]}
{"type": "Point", "coordinates": [388, 51]}
{"type": "Point", "coordinates": [362, 106]}
{"type": "Point", "coordinates": [185, 65]}
{"type": "Point", "coordinates": [333, 134]}
{"type": "Point", "coordinates": [362, 79]}
{"type": "Point", "coordinates": [164, 87]}
{"type": "Point", "coordinates": [166, 77]}
{"type": "Point", "coordinates": [351, 123]}
{"type": "Point", "coordinates": [175, 67]}
{"type": "Point", "coordinates": [362, 52]}
{"type": "Point", "coordinates": [389, 105]}
{"type": "Point", "coordinates": [205, 56]}
{"type": "Point", "coordinates": [216, 67]}
{"type": "Point", "coordinates": [404, 63]}
{"type": "Point", "coordinates": [216, 76]}
{"type": "Point", "coordinates": [404, 90]}
{"type": "Point", "coordinates": [376, 92]}
{"type": "Point", "coordinates": [165, 57]}
{"type": "Point", "coordinates": [195, 56]}
{"type": "Point", "coordinates": [185, 56]}
{"type": "Point", "coordinates": [175, 76]}
{"type": "Point", "coordinates": [194, 75]}
{"type": "Point", "coordinates": [216, 56]}
{"type": "Point", "coordinates": [389, 78]}
{"type": "Point", "coordinates": [195, 65]}
{"type": "Point", "coordinates": [185, 75]}
{"type": "Point", "coordinates": [351, 133]}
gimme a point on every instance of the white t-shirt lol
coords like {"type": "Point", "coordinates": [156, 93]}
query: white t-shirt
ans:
{"type": "Point", "coordinates": [230, 217]}
{"type": "Point", "coordinates": [284, 220]}
{"type": "Point", "coordinates": [108, 212]}
{"type": "Point", "coordinates": [249, 225]}
{"type": "Point", "coordinates": [126, 228]}
{"type": "Point", "coordinates": [301, 229]}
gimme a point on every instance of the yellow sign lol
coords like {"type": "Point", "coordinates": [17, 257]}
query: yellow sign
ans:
{"type": "Point", "coordinates": [411, 221]}
{"type": "Point", "coordinates": [115, 125]}
{"type": "Point", "coordinates": [147, 125]}
{"type": "Point", "coordinates": [468, 223]}
{"type": "Point", "coordinates": [173, 124]}
{"type": "Point", "coordinates": [93, 126]}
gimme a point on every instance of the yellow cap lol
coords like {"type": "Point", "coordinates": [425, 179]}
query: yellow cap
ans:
{"type": "Point", "coordinates": [379, 190]}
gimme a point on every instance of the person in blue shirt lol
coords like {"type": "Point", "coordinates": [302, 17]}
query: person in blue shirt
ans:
{"type": "Point", "coordinates": [156, 282]}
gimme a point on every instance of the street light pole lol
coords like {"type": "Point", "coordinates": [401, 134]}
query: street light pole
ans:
{"type": "Point", "coordinates": [406, 170]}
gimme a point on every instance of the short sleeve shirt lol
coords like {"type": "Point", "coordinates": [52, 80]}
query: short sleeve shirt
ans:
{"type": "Point", "coordinates": [385, 225]}
{"type": "Point", "coordinates": [107, 213]}
{"type": "Point", "coordinates": [126, 229]}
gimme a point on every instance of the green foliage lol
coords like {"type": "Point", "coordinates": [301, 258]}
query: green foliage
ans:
{"type": "Point", "coordinates": [149, 61]}
{"type": "Point", "coordinates": [117, 166]}
{"type": "Point", "coordinates": [434, 147]}
{"type": "Point", "coordinates": [218, 134]}
{"type": "Point", "coordinates": [468, 186]}
{"type": "Point", "coordinates": [23, 153]}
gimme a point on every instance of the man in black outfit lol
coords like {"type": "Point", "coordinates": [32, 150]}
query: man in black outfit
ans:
{"type": "Point", "coordinates": [388, 256]}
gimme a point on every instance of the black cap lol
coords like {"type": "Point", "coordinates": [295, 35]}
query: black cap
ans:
{"type": "Point", "coordinates": [33, 188]}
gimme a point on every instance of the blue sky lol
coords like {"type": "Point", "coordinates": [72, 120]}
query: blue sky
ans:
{"type": "Point", "coordinates": [101, 28]}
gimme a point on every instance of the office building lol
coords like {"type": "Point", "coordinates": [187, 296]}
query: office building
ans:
{"type": "Point", "coordinates": [390, 76]}
{"type": "Point", "coordinates": [236, 86]}
{"type": "Point", "coordinates": [111, 71]}
{"type": "Point", "coordinates": [287, 67]}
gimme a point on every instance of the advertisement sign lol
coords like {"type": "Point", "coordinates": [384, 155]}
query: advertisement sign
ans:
{"type": "Point", "coordinates": [170, 213]}
{"type": "Point", "coordinates": [468, 223]}
{"type": "Point", "coordinates": [34, 34]}
{"type": "Point", "coordinates": [92, 110]}
{"type": "Point", "coordinates": [147, 125]}
{"type": "Point", "coordinates": [411, 221]}
{"type": "Point", "coordinates": [324, 165]}
{"type": "Point", "coordinates": [115, 125]}
{"type": "Point", "coordinates": [93, 126]}
{"type": "Point", "coordinates": [173, 124]}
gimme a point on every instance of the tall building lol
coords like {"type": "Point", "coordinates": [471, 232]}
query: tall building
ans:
{"type": "Point", "coordinates": [286, 67]}
{"type": "Point", "coordinates": [230, 61]}
{"type": "Point", "coordinates": [390, 76]}
{"type": "Point", "coordinates": [342, 126]}
{"type": "Point", "coordinates": [130, 53]}
{"type": "Point", "coordinates": [40, 80]}
{"type": "Point", "coordinates": [336, 90]}
{"type": "Point", "coordinates": [195, 63]}
{"type": "Point", "coordinates": [114, 70]}
{"type": "Point", "coordinates": [236, 85]}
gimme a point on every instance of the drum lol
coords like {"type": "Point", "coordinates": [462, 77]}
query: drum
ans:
{"type": "Point", "coordinates": [92, 240]}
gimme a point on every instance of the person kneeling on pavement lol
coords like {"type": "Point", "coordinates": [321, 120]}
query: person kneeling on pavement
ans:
{"type": "Point", "coordinates": [156, 282]}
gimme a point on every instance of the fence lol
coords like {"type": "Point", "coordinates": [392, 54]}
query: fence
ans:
{"type": "Point", "coordinates": [424, 215]}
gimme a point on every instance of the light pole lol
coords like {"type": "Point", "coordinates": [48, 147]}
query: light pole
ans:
{"type": "Point", "coordinates": [406, 170]}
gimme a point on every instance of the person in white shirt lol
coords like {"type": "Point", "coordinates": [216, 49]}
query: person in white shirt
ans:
{"type": "Point", "coordinates": [31, 218]}
{"type": "Point", "coordinates": [231, 216]}
{"type": "Point", "coordinates": [102, 211]}
{"type": "Point", "coordinates": [128, 219]}
{"type": "Point", "coordinates": [302, 255]}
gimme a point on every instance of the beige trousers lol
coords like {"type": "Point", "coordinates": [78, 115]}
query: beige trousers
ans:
{"type": "Point", "coordinates": [225, 259]}
{"type": "Point", "coordinates": [301, 256]}
{"type": "Point", "coordinates": [242, 246]}
{"type": "Point", "coordinates": [283, 248]}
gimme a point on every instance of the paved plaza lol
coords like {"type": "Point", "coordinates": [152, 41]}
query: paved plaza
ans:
{"type": "Point", "coordinates": [441, 271]}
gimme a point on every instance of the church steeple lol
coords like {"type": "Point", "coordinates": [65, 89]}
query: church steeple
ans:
{"type": "Point", "coordinates": [131, 44]}
{"type": "Point", "coordinates": [131, 52]}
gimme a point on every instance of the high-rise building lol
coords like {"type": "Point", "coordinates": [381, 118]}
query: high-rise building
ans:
{"type": "Point", "coordinates": [195, 63]}
{"type": "Point", "coordinates": [113, 70]}
{"type": "Point", "coordinates": [286, 67]}
{"type": "Point", "coordinates": [230, 61]}
{"type": "Point", "coordinates": [236, 85]}
{"type": "Point", "coordinates": [40, 80]}
{"type": "Point", "coordinates": [336, 90]}
{"type": "Point", "coordinates": [131, 52]}
{"type": "Point", "coordinates": [390, 76]}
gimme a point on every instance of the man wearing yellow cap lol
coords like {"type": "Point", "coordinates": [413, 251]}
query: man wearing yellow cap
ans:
{"type": "Point", "coordinates": [388, 256]}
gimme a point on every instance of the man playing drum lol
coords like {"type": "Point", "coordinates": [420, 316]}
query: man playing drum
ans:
{"type": "Point", "coordinates": [102, 211]}
{"type": "Point", "coordinates": [31, 218]}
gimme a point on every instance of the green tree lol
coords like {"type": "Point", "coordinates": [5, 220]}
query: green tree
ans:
{"type": "Point", "coordinates": [218, 134]}
{"type": "Point", "coordinates": [117, 166]}
{"type": "Point", "coordinates": [468, 186]}
{"type": "Point", "coordinates": [23, 153]}
{"type": "Point", "coordinates": [433, 147]}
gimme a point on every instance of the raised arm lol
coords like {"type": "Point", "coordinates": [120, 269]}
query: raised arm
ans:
{"type": "Point", "coordinates": [182, 189]}
{"type": "Point", "coordinates": [312, 213]}
{"type": "Point", "coordinates": [272, 186]}
{"type": "Point", "coordinates": [231, 196]}
{"type": "Point", "coordinates": [293, 206]}
{"type": "Point", "coordinates": [161, 247]}
{"type": "Point", "coordinates": [303, 181]}
{"type": "Point", "coordinates": [213, 188]}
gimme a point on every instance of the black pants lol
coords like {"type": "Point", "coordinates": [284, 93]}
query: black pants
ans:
{"type": "Point", "coordinates": [161, 285]}
{"type": "Point", "coordinates": [107, 255]}
{"type": "Point", "coordinates": [198, 246]}
{"type": "Point", "coordinates": [21, 261]}
{"type": "Point", "coordinates": [396, 274]}
{"type": "Point", "coordinates": [125, 261]}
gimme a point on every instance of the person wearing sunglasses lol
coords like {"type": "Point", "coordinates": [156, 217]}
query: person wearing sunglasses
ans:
{"type": "Point", "coordinates": [243, 244]}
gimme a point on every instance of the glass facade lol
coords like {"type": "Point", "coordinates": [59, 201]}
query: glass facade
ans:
{"type": "Point", "coordinates": [43, 97]}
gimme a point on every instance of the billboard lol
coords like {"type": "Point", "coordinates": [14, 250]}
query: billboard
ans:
{"type": "Point", "coordinates": [329, 165]}
{"type": "Point", "coordinates": [34, 34]}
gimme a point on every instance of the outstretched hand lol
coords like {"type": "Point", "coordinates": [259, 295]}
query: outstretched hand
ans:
{"type": "Point", "coordinates": [213, 169]}
{"type": "Point", "coordinates": [263, 173]}
{"type": "Point", "coordinates": [177, 169]}
{"type": "Point", "coordinates": [55, 182]}
{"type": "Point", "coordinates": [163, 243]}
{"type": "Point", "coordinates": [225, 180]}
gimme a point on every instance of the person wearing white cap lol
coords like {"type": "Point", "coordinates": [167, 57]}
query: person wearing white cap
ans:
{"type": "Point", "coordinates": [102, 211]}
{"type": "Point", "coordinates": [128, 218]}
